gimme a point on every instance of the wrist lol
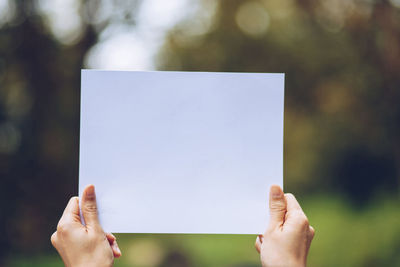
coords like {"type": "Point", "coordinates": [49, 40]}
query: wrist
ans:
{"type": "Point", "coordinates": [297, 264]}
{"type": "Point", "coordinates": [284, 263]}
{"type": "Point", "coordinates": [288, 264]}
{"type": "Point", "coordinates": [93, 265]}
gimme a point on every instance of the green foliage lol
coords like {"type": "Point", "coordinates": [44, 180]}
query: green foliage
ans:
{"type": "Point", "coordinates": [345, 236]}
{"type": "Point", "coordinates": [342, 147]}
{"type": "Point", "coordinates": [351, 237]}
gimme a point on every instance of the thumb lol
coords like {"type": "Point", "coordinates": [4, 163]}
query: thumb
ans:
{"type": "Point", "coordinates": [277, 206]}
{"type": "Point", "coordinates": [89, 208]}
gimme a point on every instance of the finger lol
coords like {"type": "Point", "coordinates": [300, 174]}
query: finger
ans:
{"type": "Point", "coordinates": [89, 209]}
{"type": "Point", "coordinates": [71, 211]}
{"type": "Point", "coordinates": [292, 203]}
{"type": "Point", "coordinates": [116, 251]}
{"type": "Point", "coordinates": [53, 239]}
{"type": "Point", "coordinates": [111, 238]}
{"type": "Point", "coordinates": [312, 232]}
{"type": "Point", "coordinates": [114, 245]}
{"type": "Point", "coordinates": [295, 214]}
{"type": "Point", "coordinates": [258, 243]}
{"type": "Point", "coordinates": [277, 206]}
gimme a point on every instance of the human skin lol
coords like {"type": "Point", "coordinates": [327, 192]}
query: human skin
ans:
{"type": "Point", "coordinates": [288, 236]}
{"type": "Point", "coordinates": [285, 242]}
{"type": "Point", "coordinates": [84, 245]}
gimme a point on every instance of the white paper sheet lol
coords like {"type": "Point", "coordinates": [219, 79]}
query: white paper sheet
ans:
{"type": "Point", "coordinates": [181, 152]}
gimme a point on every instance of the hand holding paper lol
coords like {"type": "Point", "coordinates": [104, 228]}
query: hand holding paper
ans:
{"type": "Point", "coordinates": [181, 152]}
{"type": "Point", "coordinates": [285, 242]}
{"type": "Point", "coordinates": [176, 152]}
{"type": "Point", "coordinates": [288, 236]}
{"type": "Point", "coordinates": [84, 245]}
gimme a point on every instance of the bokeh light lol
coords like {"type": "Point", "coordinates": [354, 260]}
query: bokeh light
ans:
{"type": "Point", "coordinates": [342, 114]}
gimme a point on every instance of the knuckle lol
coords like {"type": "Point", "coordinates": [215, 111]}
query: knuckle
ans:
{"type": "Point", "coordinates": [63, 228]}
{"type": "Point", "coordinates": [278, 206]}
{"type": "Point", "coordinates": [53, 239]}
{"type": "Point", "coordinates": [290, 195]}
{"type": "Point", "coordinates": [72, 200]}
{"type": "Point", "coordinates": [90, 208]}
{"type": "Point", "coordinates": [312, 232]}
{"type": "Point", "coordinates": [302, 218]}
{"type": "Point", "coordinates": [305, 221]}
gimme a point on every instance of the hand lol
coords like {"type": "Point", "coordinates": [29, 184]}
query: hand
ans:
{"type": "Point", "coordinates": [288, 236]}
{"type": "Point", "coordinates": [84, 245]}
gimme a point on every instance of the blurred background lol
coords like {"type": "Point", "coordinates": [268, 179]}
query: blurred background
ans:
{"type": "Point", "coordinates": [342, 114]}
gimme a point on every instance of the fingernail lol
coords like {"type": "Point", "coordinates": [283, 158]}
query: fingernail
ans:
{"type": "Point", "coordinates": [276, 192]}
{"type": "Point", "coordinates": [90, 191]}
{"type": "Point", "coordinates": [117, 248]}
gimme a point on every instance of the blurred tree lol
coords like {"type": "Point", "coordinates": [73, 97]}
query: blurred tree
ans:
{"type": "Point", "coordinates": [342, 65]}
{"type": "Point", "coordinates": [39, 115]}
{"type": "Point", "coordinates": [342, 117]}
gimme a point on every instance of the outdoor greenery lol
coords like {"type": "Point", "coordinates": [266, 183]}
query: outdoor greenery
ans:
{"type": "Point", "coordinates": [341, 59]}
{"type": "Point", "coordinates": [345, 237]}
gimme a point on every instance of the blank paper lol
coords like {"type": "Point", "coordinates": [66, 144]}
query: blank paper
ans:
{"type": "Point", "coordinates": [181, 152]}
